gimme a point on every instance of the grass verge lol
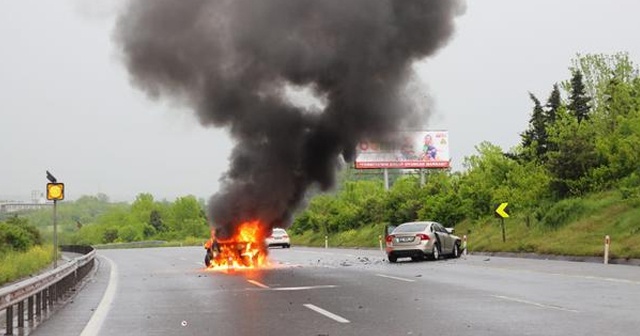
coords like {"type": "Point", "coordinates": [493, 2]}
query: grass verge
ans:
{"type": "Point", "coordinates": [367, 236]}
{"type": "Point", "coordinates": [16, 265]}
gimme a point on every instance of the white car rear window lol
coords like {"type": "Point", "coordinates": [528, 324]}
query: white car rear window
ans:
{"type": "Point", "coordinates": [417, 227]}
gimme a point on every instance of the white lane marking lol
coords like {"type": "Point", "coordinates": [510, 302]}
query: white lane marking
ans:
{"type": "Point", "coordinates": [326, 313]}
{"type": "Point", "coordinates": [589, 277]}
{"type": "Point", "coordinates": [564, 275]}
{"type": "Point", "coordinates": [540, 305]}
{"type": "Point", "coordinates": [302, 288]}
{"type": "Point", "coordinates": [99, 315]}
{"type": "Point", "coordinates": [395, 278]}
{"type": "Point", "coordinates": [259, 284]}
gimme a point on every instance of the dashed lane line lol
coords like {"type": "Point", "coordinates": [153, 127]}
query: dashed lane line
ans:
{"type": "Point", "coordinates": [540, 305]}
{"type": "Point", "coordinates": [259, 284]}
{"type": "Point", "coordinates": [327, 313]}
{"type": "Point", "coordinates": [395, 278]}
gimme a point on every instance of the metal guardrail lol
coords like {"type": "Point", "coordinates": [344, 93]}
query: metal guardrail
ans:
{"type": "Point", "coordinates": [42, 291]}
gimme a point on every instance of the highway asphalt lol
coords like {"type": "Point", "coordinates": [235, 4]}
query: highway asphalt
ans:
{"type": "Point", "coordinates": [311, 291]}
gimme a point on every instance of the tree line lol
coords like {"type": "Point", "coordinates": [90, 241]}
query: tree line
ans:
{"type": "Point", "coordinates": [96, 220]}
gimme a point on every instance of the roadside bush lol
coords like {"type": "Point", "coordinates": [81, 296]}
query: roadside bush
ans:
{"type": "Point", "coordinates": [17, 235]}
{"type": "Point", "coordinates": [13, 238]}
{"type": "Point", "coordinates": [563, 212]}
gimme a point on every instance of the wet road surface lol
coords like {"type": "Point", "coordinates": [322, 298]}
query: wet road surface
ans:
{"type": "Point", "coordinates": [308, 291]}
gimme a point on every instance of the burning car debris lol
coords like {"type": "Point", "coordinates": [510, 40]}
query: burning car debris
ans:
{"type": "Point", "coordinates": [244, 249]}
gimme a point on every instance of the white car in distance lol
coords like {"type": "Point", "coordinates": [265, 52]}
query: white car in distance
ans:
{"type": "Point", "coordinates": [278, 237]}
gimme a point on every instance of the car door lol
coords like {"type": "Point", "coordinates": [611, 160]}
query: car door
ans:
{"type": "Point", "coordinates": [446, 245]}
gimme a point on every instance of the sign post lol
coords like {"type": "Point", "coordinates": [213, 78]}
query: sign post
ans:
{"type": "Point", "coordinates": [502, 213]}
{"type": "Point", "coordinates": [55, 193]}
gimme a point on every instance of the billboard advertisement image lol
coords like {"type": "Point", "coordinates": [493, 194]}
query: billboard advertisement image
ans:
{"type": "Point", "coordinates": [410, 150]}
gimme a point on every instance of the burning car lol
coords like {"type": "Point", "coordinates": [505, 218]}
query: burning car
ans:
{"type": "Point", "coordinates": [244, 249]}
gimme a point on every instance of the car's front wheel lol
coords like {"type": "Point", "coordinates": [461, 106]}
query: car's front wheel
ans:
{"type": "Point", "coordinates": [392, 258]}
{"type": "Point", "coordinates": [456, 250]}
{"type": "Point", "coordinates": [207, 260]}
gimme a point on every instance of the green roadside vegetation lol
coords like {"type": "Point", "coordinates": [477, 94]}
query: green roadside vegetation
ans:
{"type": "Point", "coordinates": [22, 252]}
{"type": "Point", "coordinates": [581, 233]}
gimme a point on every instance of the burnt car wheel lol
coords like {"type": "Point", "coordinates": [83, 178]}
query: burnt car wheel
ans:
{"type": "Point", "coordinates": [207, 260]}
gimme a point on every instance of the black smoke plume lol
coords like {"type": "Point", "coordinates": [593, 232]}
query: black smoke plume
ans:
{"type": "Point", "coordinates": [232, 61]}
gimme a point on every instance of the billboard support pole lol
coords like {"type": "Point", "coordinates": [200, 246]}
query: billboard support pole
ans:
{"type": "Point", "coordinates": [386, 179]}
{"type": "Point", "coordinates": [421, 177]}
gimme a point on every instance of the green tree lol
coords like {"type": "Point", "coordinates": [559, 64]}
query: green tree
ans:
{"type": "Point", "coordinates": [155, 221]}
{"type": "Point", "coordinates": [486, 172]}
{"type": "Point", "coordinates": [554, 102]}
{"type": "Point", "coordinates": [578, 98]}
{"type": "Point", "coordinates": [184, 212]}
{"type": "Point", "coordinates": [575, 158]}
{"type": "Point", "coordinates": [534, 138]}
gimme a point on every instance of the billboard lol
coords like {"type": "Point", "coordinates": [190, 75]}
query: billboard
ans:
{"type": "Point", "coordinates": [411, 150]}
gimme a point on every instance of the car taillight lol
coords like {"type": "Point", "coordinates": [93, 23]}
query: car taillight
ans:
{"type": "Point", "coordinates": [389, 238]}
{"type": "Point", "coordinates": [285, 236]}
{"type": "Point", "coordinates": [422, 236]}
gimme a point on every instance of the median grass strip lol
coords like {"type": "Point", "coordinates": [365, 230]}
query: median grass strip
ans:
{"type": "Point", "coordinates": [15, 265]}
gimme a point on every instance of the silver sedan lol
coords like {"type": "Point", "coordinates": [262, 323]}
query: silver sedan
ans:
{"type": "Point", "coordinates": [419, 240]}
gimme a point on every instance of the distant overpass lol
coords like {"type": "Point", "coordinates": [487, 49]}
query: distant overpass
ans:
{"type": "Point", "coordinates": [11, 207]}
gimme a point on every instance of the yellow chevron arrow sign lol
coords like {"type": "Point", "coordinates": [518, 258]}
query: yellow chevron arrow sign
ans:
{"type": "Point", "coordinates": [502, 210]}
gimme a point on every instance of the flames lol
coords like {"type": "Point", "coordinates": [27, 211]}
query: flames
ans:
{"type": "Point", "coordinates": [244, 250]}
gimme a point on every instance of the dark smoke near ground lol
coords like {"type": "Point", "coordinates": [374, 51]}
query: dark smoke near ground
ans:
{"type": "Point", "coordinates": [232, 61]}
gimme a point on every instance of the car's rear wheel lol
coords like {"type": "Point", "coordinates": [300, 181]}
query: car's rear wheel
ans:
{"type": "Point", "coordinates": [435, 252]}
{"type": "Point", "coordinates": [392, 258]}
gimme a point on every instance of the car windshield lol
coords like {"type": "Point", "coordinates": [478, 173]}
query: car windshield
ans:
{"type": "Point", "coordinates": [413, 227]}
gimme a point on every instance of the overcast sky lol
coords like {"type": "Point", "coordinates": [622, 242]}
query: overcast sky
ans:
{"type": "Point", "coordinates": [66, 104]}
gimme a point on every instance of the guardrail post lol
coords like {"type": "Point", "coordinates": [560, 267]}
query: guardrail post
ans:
{"type": "Point", "coordinates": [607, 243]}
{"type": "Point", "coordinates": [21, 314]}
{"type": "Point", "coordinates": [30, 308]}
{"type": "Point", "coordinates": [9, 317]}
{"type": "Point", "coordinates": [39, 304]}
{"type": "Point", "coordinates": [464, 245]}
{"type": "Point", "coordinates": [52, 295]}
{"type": "Point", "coordinates": [45, 299]}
